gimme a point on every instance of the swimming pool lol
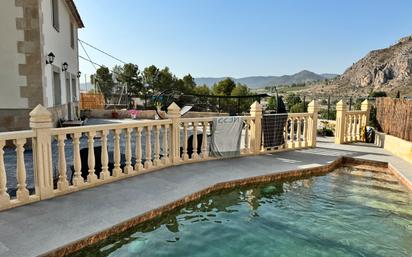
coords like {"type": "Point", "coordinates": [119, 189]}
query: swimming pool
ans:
{"type": "Point", "coordinates": [347, 212]}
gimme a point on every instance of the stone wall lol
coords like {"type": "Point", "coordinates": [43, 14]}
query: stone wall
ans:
{"type": "Point", "coordinates": [14, 119]}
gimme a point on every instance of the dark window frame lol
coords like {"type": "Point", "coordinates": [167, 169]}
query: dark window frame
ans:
{"type": "Point", "coordinates": [55, 14]}
{"type": "Point", "coordinates": [72, 35]}
{"type": "Point", "coordinates": [57, 86]}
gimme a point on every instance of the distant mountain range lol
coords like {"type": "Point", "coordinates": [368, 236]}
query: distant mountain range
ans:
{"type": "Point", "coordinates": [264, 81]}
{"type": "Point", "coordinates": [257, 81]}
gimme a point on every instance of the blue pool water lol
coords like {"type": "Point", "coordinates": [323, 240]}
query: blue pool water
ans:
{"type": "Point", "coordinates": [347, 212]}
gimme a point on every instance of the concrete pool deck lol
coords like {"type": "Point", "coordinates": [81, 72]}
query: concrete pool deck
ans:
{"type": "Point", "coordinates": [43, 226]}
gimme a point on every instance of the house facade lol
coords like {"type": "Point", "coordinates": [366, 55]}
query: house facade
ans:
{"type": "Point", "coordinates": [38, 60]}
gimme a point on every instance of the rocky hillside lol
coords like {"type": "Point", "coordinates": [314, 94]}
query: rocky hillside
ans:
{"type": "Point", "coordinates": [388, 69]}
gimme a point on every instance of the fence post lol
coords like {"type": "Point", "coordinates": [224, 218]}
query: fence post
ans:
{"type": "Point", "coordinates": [366, 107]}
{"type": "Point", "coordinates": [173, 113]}
{"type": "Point", "coordinates": [313, 108]}
{"type": "Point", "coordinates": [340, 122]}
{"type": "Point", "coordinates": [256, 127]}
{"type": "Point", "coordinates": [41, 123]}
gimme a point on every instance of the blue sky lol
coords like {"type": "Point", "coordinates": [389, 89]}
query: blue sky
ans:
{"type": "Point", "coordinates": [241, 38]}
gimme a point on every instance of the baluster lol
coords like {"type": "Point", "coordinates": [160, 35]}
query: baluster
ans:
{"type": "Point", "coordinates": [195, 155]}
{"type": "Point", "coordinates": [247, 150]}
{"type": "Point", "coordinates": [292, 133]}
{"type": "Point", "coordinates": [117, 171]}
{"type": "Point", "coordinates": [128, 169]}
{"type": "Point", "coordinates": [105, 174]}
{"type": "Point", "coordinates": [91, 177]}
{"type": "Point", "coordinates": [299, 120]}
{"type": "Point", "coordinates": [352, 134]}
{"type": "Point", "coordinates": [148, 163]}
{"type": "Point", "coordinates": [138, 166]}
{"type": "Point", "coordinates": [156, 160]}
{"type": "Point", "coordinates": [351, 128]}
{"type": "Point", "coordinates": [358, 122]}
{"type": "Point", "coordinates": [286, 145]}
{"type": "Point", "coordinates": [22, 192]}
{"type": "Point", "coordinates": [166, 159]}
{"type": "Point", "coordinates": [305, 131]}
{"type": "Point", "coordinates": [62, 184]}
{"type": "Point", "coordinates": [77, 178]}
{"type": "Point", "coordinates": [347, 134]}
{"type": "Point", "coordinates": [185, 156]}
{"type": "Point", "coordinates": [4, 196]}
{"type": "Point", "coordinates": [205, 153]}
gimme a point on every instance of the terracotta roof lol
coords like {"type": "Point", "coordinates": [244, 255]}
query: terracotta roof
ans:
{"type": "Point", "coordinates": [75, 13]}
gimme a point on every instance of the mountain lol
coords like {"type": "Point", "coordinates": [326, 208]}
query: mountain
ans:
{"type": "Point", "coordinates": [264, 81]}
{"type": "Point", "coordinates": [388, 69]}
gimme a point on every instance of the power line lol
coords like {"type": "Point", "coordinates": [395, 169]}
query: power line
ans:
{"type": "Point", "coordinates": [117, 59]}
{"type": "Point", "coordinates": [90, 60]}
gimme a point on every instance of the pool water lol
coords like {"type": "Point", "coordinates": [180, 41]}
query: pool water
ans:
{"type": "Point", "coordinates": [347, 212]}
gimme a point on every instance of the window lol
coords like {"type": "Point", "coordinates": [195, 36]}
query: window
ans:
{"type": "Point", "coordinates": [71, 35]}
{"type": "Point", "coordinates": [57, 89]}
{"type": "Point", "coordinates": [55, 14]}
{"type": "Point", "coordinates": [74, 89]}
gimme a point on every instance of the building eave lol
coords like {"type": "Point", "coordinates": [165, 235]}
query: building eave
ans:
{"type": "Point", "coordinates": [73, 9]}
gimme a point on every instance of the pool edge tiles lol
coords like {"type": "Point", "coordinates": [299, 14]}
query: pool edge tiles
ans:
{"type": "Point", "coordinates": [291, 174]}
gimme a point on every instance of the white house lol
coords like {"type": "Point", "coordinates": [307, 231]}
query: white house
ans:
{"type": "Point", "coordinates": [38, 60]}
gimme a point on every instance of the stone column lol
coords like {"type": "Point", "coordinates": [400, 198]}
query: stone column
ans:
{"type": "Point", "coordinates": [313, 109]}
{"type": "Point", "coordinates": [340, 122]}
{"type": "Point", "coordinates": [41, 123]}
{"type": "Point", "coordinates": [366, 107]}
{"type": "Point", "coordinates": [173, 113]}
{"type": "Point", "coordinates": [256, 127]}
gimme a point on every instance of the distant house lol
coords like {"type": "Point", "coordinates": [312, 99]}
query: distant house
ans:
{"type": "Point", "coordinates": [38, 60]}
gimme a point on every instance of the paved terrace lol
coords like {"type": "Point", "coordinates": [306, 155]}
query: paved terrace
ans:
{"type": "Point", "coordinates": [43, 226]}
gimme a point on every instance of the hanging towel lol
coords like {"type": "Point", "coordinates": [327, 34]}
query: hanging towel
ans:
{"type": "Point", "coordinates": [273, 128]}
{"type": "Point", "coordinates": [226, 135]}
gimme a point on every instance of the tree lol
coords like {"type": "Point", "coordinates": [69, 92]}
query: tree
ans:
{"type": "Point", "coordinates": [166, 80]}
{"type": "Point", "coordinates": [272, 103]}
{"type": "Point", "coordinates": [240, 90]}
{"type": "Point", "coordinates": [130, 75]}
{"type": "Point", "coordinates": [189, 84]}
{"type": "Point", "coordinates": [293, 99]}
{"type": "Point", "coordinates": [202, 90]}
{"type": "Point", "coordinates": [378, 94]}
{"type": "Point", "coordinates": [104, 80]}
{"type": "Point", "coordinates": [150, 77]}
{"type": "Point", "coordinates": [224, 87]}
{"type": "Point", "coordinates": [242, 104]}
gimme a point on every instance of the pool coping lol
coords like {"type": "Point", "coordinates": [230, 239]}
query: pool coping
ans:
{"type": "Point", "coordinates": [342, 161]}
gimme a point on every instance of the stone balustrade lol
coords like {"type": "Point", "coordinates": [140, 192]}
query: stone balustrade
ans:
{"type": "Point", "coordinates": [88, 156]}
{"type": "Point", "coordinates": [349, 124]}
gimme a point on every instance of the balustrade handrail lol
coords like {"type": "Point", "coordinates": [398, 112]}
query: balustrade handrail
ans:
{"type": "Point", "coordinates": [100, 127]}
{"type": "Point", "coordinates": [16, 134]}
{"type": "Point", "coordinates": [355, 112]}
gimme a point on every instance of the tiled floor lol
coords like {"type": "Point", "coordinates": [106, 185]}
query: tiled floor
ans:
{"type": "Point", "coordinates": [43, 226]}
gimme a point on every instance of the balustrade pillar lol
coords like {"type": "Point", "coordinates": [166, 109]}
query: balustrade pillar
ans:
{"type": "Point", "coordinates": [366, 107]}
{"type": "Point", "coordinates": [340, 127]}
{"type": "Point", "coordinates": [41, 123]}
{"type": "Point", "coordinates": [313, 109]}
{"type": "Point", "coordinates": [256, 127]}
{"type": "Point", "coordinates": [173, 113]}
